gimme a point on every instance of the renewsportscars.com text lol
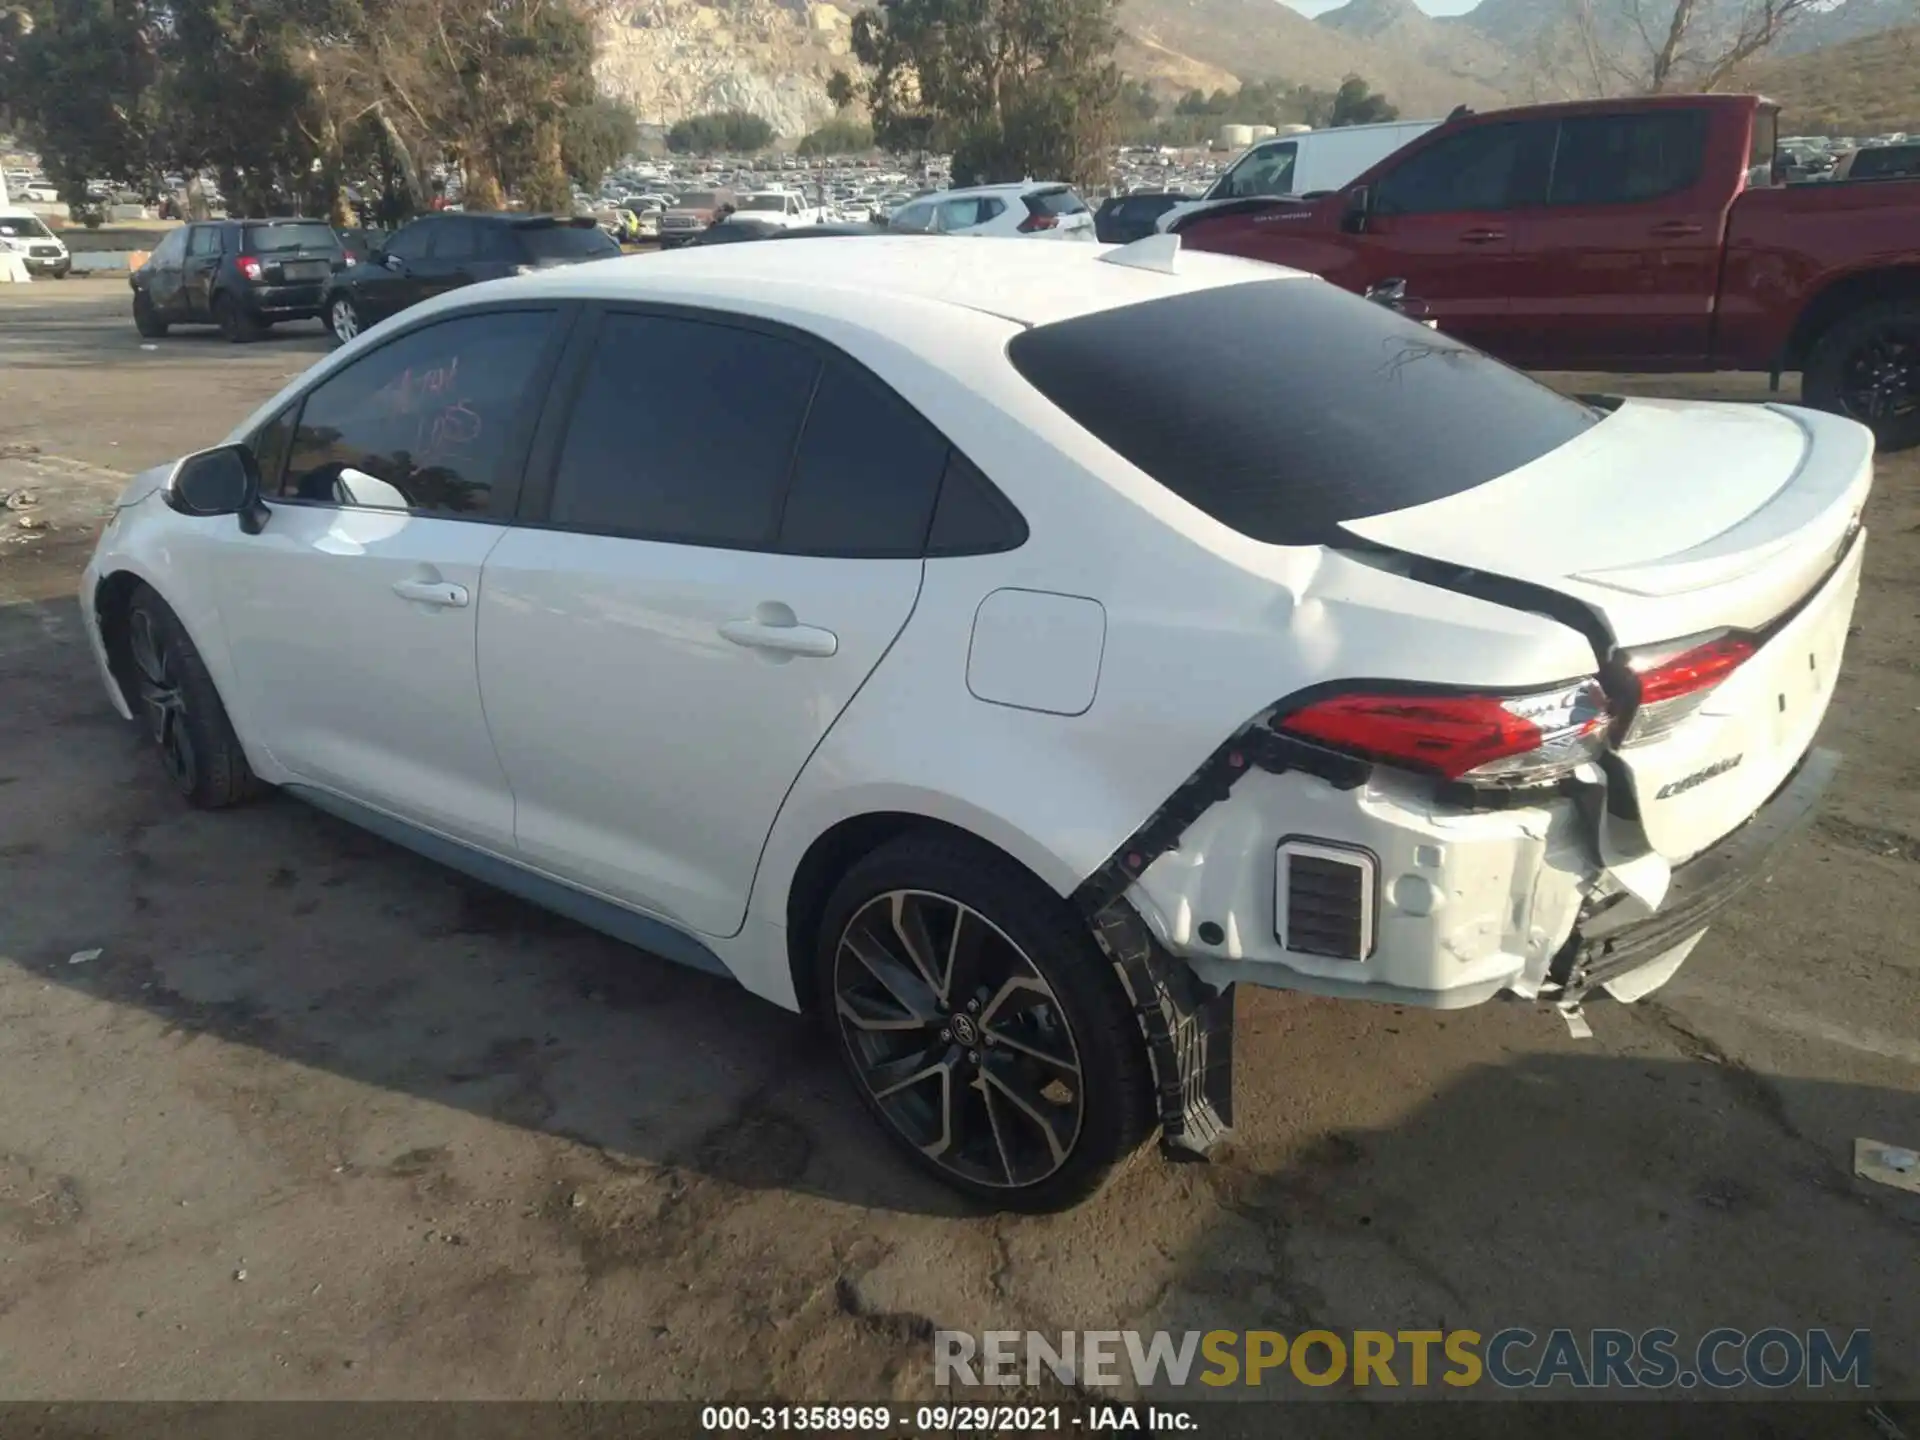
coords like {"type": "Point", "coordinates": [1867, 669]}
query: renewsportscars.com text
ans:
{"type": "Point", "coordinates": [1511, 1359]}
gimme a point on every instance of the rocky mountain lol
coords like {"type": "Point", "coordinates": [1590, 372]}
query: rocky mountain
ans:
{"type": "Point", "coordinates": [1864, 87]}
{"type": "Point", "coordinates": [1402, 28]}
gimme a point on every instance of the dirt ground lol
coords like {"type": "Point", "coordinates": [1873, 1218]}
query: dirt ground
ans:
{"type": "Point", "coordinates": [325, 1120]}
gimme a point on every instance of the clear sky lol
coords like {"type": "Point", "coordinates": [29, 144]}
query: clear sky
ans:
{"type": "Point", "coordinates": [1432, 7]}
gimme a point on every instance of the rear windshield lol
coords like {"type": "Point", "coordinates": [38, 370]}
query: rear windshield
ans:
{"type": "Point", "coordinates": [1055, 202]}
{"type": "Point", "coordinates": [278, 239]}
{"type": "Point", "coordinates": [566, 242]}
{"type": "Point", "coordinates": [1283, 407]}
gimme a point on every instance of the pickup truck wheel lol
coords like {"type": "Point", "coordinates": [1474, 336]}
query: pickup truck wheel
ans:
{"type": "Point", "coordinates": [981, 1025]}
{"type": "Point", "coordinates": [1867, 365]}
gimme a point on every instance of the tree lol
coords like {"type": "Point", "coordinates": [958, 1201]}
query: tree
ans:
{"type": "Point", "coordinates": [1354, 103]}
{"type": "Point", "coordinates": [841, 90]}
{"type": "Point", "coordinates": [1012, 88]}
{"type": "Point", "coordinates": [730, 132]}
{"type": "Point", "coordinates": [1654, 46]}
{"type": "Point", "coordinates": [836, 137]}
{"type": "Point", "coordinates": [595, 137]}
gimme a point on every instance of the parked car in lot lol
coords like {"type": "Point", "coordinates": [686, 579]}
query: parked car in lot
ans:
{"type": "Point", "coordinates": [1122, 219]}
{"type": "Point", "coordinates": [241, 275]}
{"type": "Point", "coordinates": [1879, 162]}
{"type": "Point", "coordinates": [1471, 687]}
{"type": "Point", "coordinates": [692, 213]}
{"type": "Point", "coordinates": [1626, 235]}
{"type": "Point", "coordinates": [786, 208]}
{"type": "Point", "coordinates": [26, 235]}
{"type": "Point", "coordinates": [447, 251]}
{"type": "Point", "coordinates": [1023, 208]}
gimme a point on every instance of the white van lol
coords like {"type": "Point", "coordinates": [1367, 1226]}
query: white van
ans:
{"type": "Point", "coordinates": [1305, 163]}
{"type": "Point", "coordinates": [26, 235]}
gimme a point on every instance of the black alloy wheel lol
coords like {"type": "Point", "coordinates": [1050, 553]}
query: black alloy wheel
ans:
{"type": "Point", "coordinates": [1866, 365]}
{"type": "Point", "coordinates": [163, 702]}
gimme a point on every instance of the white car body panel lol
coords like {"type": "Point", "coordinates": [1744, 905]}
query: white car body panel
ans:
{"type": "Point", "coordinates": [651, 761]}
{"type": "Point", "coordinates": [634, 635]}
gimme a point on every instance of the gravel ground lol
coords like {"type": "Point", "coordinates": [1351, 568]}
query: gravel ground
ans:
{"type": "Point", "coordinates": [325, 1120]}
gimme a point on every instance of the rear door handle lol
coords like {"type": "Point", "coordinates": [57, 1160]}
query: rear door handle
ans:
{"type": "Point", "coordinates": [1673, 229]}
{"type": "Point", "coordinates": [432, 592]}
{"type": "Point", "coordinates": [1482, 237]}
{"type": "Point", "coordinates": [789, 639]}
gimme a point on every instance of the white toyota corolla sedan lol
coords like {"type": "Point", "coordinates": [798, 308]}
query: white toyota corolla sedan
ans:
{"type": "Point", "coordinates": [1006, 650]}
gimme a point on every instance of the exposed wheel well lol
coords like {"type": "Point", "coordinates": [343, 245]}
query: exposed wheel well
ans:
{"type": "Point", "coordinates": [830, 856]}
{"type": "Point", "coordinates": [111, 602]}
{"type": "Point", "coordinates": [1899, 283]}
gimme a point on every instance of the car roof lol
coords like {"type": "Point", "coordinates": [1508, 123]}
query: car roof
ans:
{"type": "Point", "coordinates": [1005, 187]}
{"type": "Point", "coordinates": [839, 278]}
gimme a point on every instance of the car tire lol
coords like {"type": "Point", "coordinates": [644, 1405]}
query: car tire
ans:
{"type": "Point", "coordinates": [341, 311]}
{"type": "Point", "coordinates": [1026, 1082]}
{"type": "Point", "coordinates": [235, 324]}
{"type": "Point", "coordinates": [1866, 365]}
{"type": "Point", "coordinates": [145, 319]}
{"type": "Point", "coordinates": [174, 697]}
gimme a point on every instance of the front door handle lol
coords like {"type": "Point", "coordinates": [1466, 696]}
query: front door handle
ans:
{"type": "Point", "coordinates": [782, 639]}
{"type": "Point", "coordinates": [432, 592]}
{"type": "Point", "coordinates": [1482, 237]}
{"type": "Point", "coordinates": [1674, 229]}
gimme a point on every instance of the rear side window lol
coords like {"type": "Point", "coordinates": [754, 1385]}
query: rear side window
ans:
{"type": "Point", "coordinates": [1621, 159]}
{"type": "Point", "coordinates": [565, 242]}
{"type": "Point", "coordinates": [867, 472]}
{"type": "Point", "coordinates": [205, 241]}
{"type": "Point", "coordinates": [282, 239]}
{"type": "Point", "coordinates": [1283, 407]}
{"type": "Point", "coordinates": [1883, 161]}
{"type": "Point", "coordinates": [1054, 202]}
{"type": "Point", "coordinates": [684, 431]}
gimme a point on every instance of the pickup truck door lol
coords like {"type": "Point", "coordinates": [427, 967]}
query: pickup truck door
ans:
{"type": "Point", "coordinates": [1440, 217]}
{"type": "Point", "coordinates": [1620, 266]}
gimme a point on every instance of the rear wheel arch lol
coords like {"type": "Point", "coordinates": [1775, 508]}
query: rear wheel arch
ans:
{"type": "Point", "coordinates": [1840, 299]}
{"type": "Point", "coordinates": [833, 853]}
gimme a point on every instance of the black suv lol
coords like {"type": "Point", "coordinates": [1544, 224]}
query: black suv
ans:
{"type": "Point", "coordinates": [442, 252]}
{"type": "Point", "coordinates": [242, 275]}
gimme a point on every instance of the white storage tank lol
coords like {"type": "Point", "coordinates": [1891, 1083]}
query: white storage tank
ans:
{"type": "Point", "coordinates": [1263, 132]}
{"type": "Point", "coordinates": [1295, 129]}
{"type": "Point", "coordinates": [1235, 137]}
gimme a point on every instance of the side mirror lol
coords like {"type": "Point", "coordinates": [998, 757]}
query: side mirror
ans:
{"type": "Point", "coordinates": [1353, 220]}
{"type": "Point", "coordinates": [221, 481]}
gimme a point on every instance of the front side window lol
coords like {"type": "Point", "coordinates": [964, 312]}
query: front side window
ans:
{"type": "Point", "coordinates": [1267, 171]}
{"type": "Point", "coordinates": [422, 423]}
{"type": "Point", "coordinates": [410, 242]}
{"type": "Point", "coordinates": [454, 240]}
{"type": "Point", "coordinates": [683, 430]}
{"type": "Point", "coordinates": [1486, 167]}
{"type": "Point", "coordinates": [170, 250]}
{"type": "Point", "coordinates": [1623, 159]}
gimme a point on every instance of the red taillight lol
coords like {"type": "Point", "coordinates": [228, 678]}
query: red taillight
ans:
{"type": "Point", "coordinates": [1495, 739]}
{"type": "Point", "coordinates": [1672, 681]}
{"type": "Point", "coordinates": [1035, 222]}
{"type": "Point", "coordinates": [250, 267]}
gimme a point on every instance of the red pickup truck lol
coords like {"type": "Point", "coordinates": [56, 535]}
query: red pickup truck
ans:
{"type": "Point", "coordinates": [1647, 235]}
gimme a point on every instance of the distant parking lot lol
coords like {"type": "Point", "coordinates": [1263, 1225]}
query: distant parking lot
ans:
{"type": "Point", "coordinates": [322, 1119]}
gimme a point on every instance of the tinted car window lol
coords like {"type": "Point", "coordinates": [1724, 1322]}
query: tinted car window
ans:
{"type": "Point", "coordinates": [270, 445]}
{"type": "Point", "coordinates": [866, 474]}
{"type": "Point", "coordinates": [205, 241]}
{"type": "Point", "coordinates": [1881, 161]}
{"type": "Point", "coordinates": [170, 250]}
{"type": "Point", "coordinates": [565, 242]}
{"type": "Point", "coordinates": [1284, 407]}
{"type": "Point", "coordinates": [280, 239]}
{"type": "Point", "coordinates": [454, 240]}
{"type": "Point", "coordinates": [972, 517]}
{"type": "Point", "coordinates": [1487, 167]}
{"type": "Point", "coordinates": [1052, 202]}
{"type": "Point", "coordinates": [683, 430]}
{"type": "Point", "coordinates": [421, 423]}
{"type": "Point", "coordinates": [915, 217]}
{"type": "Point", "coordinates": [410, 242]}
{"type": "Point", "coordinates": [1619, 159]}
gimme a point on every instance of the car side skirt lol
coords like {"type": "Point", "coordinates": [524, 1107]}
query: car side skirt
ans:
{"type": "Point", "coordinates": [643, 932]}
